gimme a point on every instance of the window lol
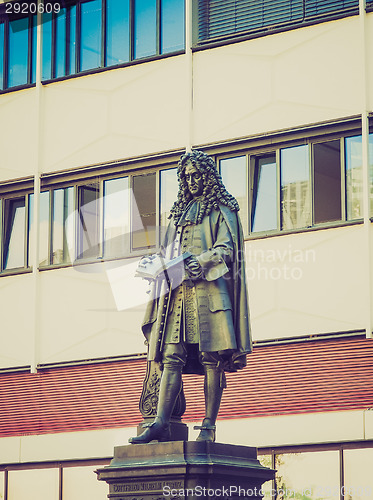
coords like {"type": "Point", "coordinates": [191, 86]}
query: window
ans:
{"type": "Point", "coordinates": [116, 217]}
{"type": "Point", "coordinates": [14, 233]}
{"type": "Point", "coordinates": [15, 226]}
{"type": "Point", "coordinates": [219, 18]}
{"type": "Point", "coordinates": [117, 32]}
{"type": "Point", "coordinates": [90, 34]}
{"type": "Point", "coordinates": [295, 187]}
{"type": "Point", "coordinates": [327, 181]}
{"type": "Point", "coordinates": [358, 481]}
{"type": "Point", "coordinates": [169, 187]}
{"type": "Point", "coordinates": [33, 483]}
{"type": "Point", "coordinates": [264, 213]}
{"type": "Point", "coordinates": [62, 240]}
{"type": "Point", "coordinates": [312, 475]}
{"type": "Point", "coordinates": [144, 211]}
{"type": "Point", "coordinates": [234, 175]}
{"type": "Point", "coordinates": [17, 51]}
{"type": "Point", "coordinates": [88, 221]}
{"type": "Point", "coordinates": [354, 176]}
{"type": "Point", "coordinates": [104, 218]}
{"type": "Point", "coordinates": [299, 186]}
{"type": "Point", "coordinates": [145, 28]}
{"type": "Point", "coordinates": [93, 34]}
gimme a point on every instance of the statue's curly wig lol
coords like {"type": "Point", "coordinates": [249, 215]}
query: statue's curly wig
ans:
{"type": "Point", "coordinates": [214, 191]}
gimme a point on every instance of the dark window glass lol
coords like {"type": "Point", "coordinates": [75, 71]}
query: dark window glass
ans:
{"type": "Point", "coordinates": [34, 46]}
{"type": "Point", "coordinates": [1, 56]}
{"type": "Point", "coordinates": [72, 40]}
{"type": "Point", "coordinates": [264, 194]}
{"type": "Point", "coordinates": [327, 181]}
{"type": "Point", "coordinates": [221, 17]}
{"type": "Point", "coordinates": [18, 52]}
{"type": "Point", "coordinates": [63, 227]}
{"type": "Point", "coordinates": [145, 24]}
{"type": "Point", "coordinates": [143, 211]}
{"type": "Point", "coordinates": [295, 188]}
{"type": "Point", "coordinates": [117, 32]}
{"type": "Point", "coordinates": [90, 37]}
{"type": "Point", "coordinates": [172, 25]}
{"type": "Point", "coordinates": [14, 233]}
{"type": "Point", "coordinates": [60, 49]}
{"type": "Point", "coordinates": [47, 47]}
{"type": "Point", "coordinates": [88, 221]}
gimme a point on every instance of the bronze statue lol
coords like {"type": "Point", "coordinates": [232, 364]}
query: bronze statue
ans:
{"type": "Point", "coordinates": [198, 321]}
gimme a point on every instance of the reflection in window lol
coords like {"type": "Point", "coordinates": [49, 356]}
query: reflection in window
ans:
{"type": "Point", "coordinates": [117, 32]}
{"type": "Point", "coordinates": [72, 40]}
{"type": "Point", "coordinates": [145, 26]}
{"type": "Point", "coordinates": [295, 188]}
{"type": "Point", "coordinates": [88, 221]}
{"type": "Point", "coordinates": [354, 176]}
{"type": "Point", "coordinates": [311, 475]}
{"type": "Point", "coordinates": [234, 175]}
{"type": "Point", "coordinates": [116, 218]}
{"type": "Point", "coordinates": [144, 211]}
{"type": "Point", "coordinates": [18, 52]}
{"type": "Point", "coordinates": [358, 480]}
{"type": "Point", "coordinates": [264, 194]}
{"type": "Point", "coordinates": [24, 484]}
{"type": "Point", "coordinates": [62, 227]}
{"type": "Point", "coordinates": [90, 41]}
{"type": "Point", "coordinates": [43, 229]}
{"type": "Point", "coordinates": [82, 476]}
{"type": "Point", "coordinates": [60, 47]}
{"type": "Point", "coordinates": [172, 25]}
{"type": "Point", "coordinates": [169, 188]}
{"type": "Point", "coordinates": [327, 181]}
{"type": "Point", "coordinates": [14, 233]}
{"type": "Point", "coordinates": [268, 486]}
{"type": "Point", "coordinates": [47, 46]}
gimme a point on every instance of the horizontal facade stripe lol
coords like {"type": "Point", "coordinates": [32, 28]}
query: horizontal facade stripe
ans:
{"type": "Point", "coordinates": [303, 377]}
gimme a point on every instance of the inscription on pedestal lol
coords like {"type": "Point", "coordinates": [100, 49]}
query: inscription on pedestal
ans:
{"type": "Point", "coordinates": [144, 490]}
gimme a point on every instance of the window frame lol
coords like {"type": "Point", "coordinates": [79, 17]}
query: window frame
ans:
{"type": "Point", "coordinates": [5, 198]}
{"type": "Point", "coordinates": [324, 133]}
{"type": "Point", "coordinates": [76, 65]}
{"type": "Point", "coordinates": [202, 40]}
{"type": "Point", "coordinates": [5, 19]}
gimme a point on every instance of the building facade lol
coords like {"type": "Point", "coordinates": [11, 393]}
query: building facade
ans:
{"type": "Point", "coordinates": [98, 100]}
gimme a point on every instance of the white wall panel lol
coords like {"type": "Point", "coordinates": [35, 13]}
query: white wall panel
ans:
{"type": "Point", "coordinates": [80, 319]}
{"type": "Point", "coordinates": [18, 134]}
{"type": "Point", "coordinates": [17, 320]}
{"type": "Point", "coordinates": [307, 283]}
{"type": "Point", "coordinates": [285, 80]}
{"type": "Point", "coordinates": [116, 114]}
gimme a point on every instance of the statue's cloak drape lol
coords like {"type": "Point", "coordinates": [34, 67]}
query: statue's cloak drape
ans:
{"type": "Point", "coordinates": [219, 247]}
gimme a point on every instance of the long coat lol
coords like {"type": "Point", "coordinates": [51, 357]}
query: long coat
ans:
{"type": "Point", "coordinates": [221, 294]}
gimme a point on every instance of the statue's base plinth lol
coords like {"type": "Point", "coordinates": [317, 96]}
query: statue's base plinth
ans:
{"type": "Point", "coordinates": [184, 470]}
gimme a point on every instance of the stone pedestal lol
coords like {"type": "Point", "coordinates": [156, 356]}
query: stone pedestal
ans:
{"type": "Point", "coordinates": [184, 470]}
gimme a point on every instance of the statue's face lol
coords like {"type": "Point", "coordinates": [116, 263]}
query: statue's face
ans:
{"type": "Point", "coordinates": [194, 180]}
